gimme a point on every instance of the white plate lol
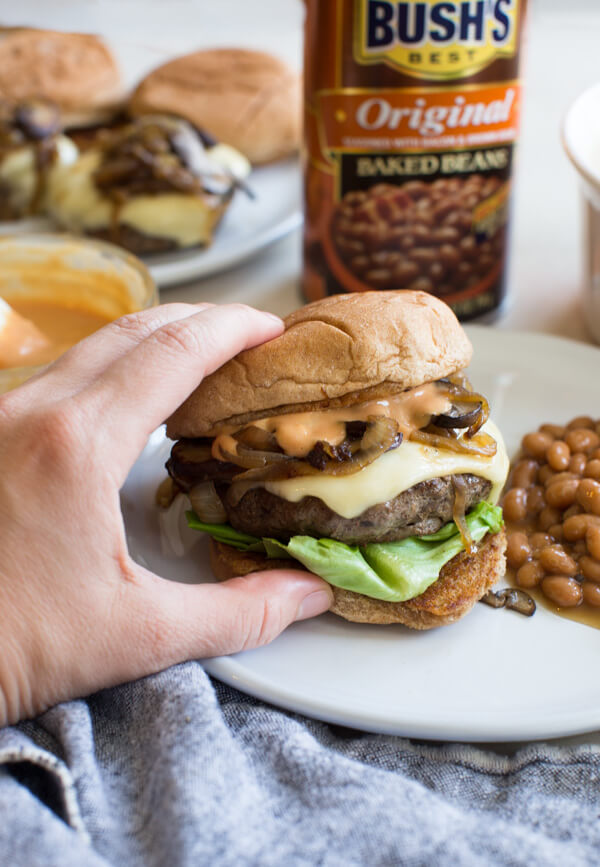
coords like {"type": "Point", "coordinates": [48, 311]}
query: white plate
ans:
{"type": "Point", "coordinates": [493, 676]}
{"type": "Point", "coordinates": [247, 227]}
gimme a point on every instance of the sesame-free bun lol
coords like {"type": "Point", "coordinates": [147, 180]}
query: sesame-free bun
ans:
{"type": "Point", "coordinates": [75, 70]}
{"type": "Point", "coordinates": [247, 99]}
{"type": "Point", "coordinates": [334, 351]}
{"type": "Point", "coordinates": [461, 583]}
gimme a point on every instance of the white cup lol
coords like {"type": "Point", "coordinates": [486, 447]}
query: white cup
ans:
{"type": "Point", "coordinates": [581, 140]}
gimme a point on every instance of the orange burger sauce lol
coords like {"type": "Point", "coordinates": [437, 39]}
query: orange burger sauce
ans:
{"type": "Point", "coordinates": [411, 118]}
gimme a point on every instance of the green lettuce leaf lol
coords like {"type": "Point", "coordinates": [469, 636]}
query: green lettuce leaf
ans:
{"type": "Point", "coordinates": [392, 571]}
{"type": "Point", "coordinates": [225, 533]}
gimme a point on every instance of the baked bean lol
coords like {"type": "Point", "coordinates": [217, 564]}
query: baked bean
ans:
{"type": "Point", "coordinates": [436, 271]}
{"type": "Point", "coordinates": [591, 593]}
{"type": "Point", "coordinates": [379, 277]}
{"type": "Point", "coordinates": [590, 568]}
{"type": "Point", "coordinates": [524, 474]}
{"type": "Point", "coordinates": [515, 505]}
{"type": "Point", "coordinates": [518, 550]}
{"type": "Point", "coordinates": [449, 256]}
{"type": "Point", "coordinates": [423, 284]}
{"type": "Point", "coordinates": [592, 540]}
{"type": "Point", "coordinates": [588, 495]}
{"type": "Point", "coordinates": [536, 444]}
{"type": "Point", "coordinates": [595, 455]}
{"type": "Point", "coordinates": [578, 463]}
{"type": "Point", "coordinates": [592, 469]}
{"type": "Point", "coordinates": [558, 455]}
{"type": "Point", "coordinates": [560, 477]}
{"type": "Point", "coordinates": [535, 499]}
{"type": "Point", "coordinates": [539, 540]}
{"type": "Point", "coordinates": [581, 421]}
{"type": "Point", "coordinates": [575, 527]}
{"type": "Point", "coordinates": [563, 591]}
{"type": "Point", "coordinates": [561, 494]}
{"type": "Point", "coordinates": [547, 517]}
{"type": "Point", "coordinates": [579, 548]}
{"type": "Point", "coordinates": [555, 430]}
{"type": "Point", "coordinates": [582, 440]}
{"type": "Point", "coordinates": [556, 531]}
{"type": "Point", "coordinates": [405, 272]}
{"type": "Point", "coordinates": [544, 474]}
{"type": "Point", "coordinates": [575, 509]}
{"type": "Point", "coordinates": [555, 559]}
{"type": "Point", "coordinates": [530, 574]}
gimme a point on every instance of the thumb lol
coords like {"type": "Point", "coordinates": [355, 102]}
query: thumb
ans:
{"type": "Point", "coordinates": [192, 621]}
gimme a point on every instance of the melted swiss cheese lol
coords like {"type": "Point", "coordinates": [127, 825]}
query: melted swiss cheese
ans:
{"type": "Point", "coordinates": [394, 472]}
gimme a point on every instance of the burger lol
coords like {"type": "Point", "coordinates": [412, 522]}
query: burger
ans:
{"type": "Point", "coordinates": [32, 150]}
{"type": "Point", "coordinates": [153, 185]}
{"type": "Point", "coordinates": [353, 446]}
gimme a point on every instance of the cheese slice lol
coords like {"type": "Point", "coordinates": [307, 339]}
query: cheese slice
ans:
{"type": "Point", "coordinates": [394, 472]}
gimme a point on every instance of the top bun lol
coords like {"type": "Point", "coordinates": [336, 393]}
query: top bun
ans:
{"type": "Point", "coordinates": [334, 351]}
{"type": "Point", "coordinates": [74, 70]}
{"type": "Point", "coordinates": [247, 99]}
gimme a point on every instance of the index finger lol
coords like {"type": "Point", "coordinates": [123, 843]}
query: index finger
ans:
{"type": "Point", "coordinates": [139, 390]}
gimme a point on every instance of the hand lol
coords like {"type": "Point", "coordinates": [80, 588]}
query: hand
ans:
{"type": "Point", "coordinates": [77, 613]}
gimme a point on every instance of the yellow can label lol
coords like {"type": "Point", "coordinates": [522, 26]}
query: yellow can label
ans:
{"type": "Point", "coordinates": [435, 40]}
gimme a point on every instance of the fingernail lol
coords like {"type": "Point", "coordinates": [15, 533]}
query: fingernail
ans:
{"type": "Point", "coordinates": [272, 316]}
{"type": "Point", "coordinates": [315, 603]}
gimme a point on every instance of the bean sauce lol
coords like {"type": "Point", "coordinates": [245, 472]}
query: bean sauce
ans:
{"type": "Point", "coordinates": [552, 513]}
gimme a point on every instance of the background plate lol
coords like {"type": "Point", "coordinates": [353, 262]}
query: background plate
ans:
{"type": "Point", "coordinates": [493, 676]}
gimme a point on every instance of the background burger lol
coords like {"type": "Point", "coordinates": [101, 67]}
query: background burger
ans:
{"type": "Point", "coordinates": [353, 446]}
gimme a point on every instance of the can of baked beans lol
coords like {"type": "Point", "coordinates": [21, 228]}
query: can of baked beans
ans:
{"type": "Point", "coordinates": [411, 120]}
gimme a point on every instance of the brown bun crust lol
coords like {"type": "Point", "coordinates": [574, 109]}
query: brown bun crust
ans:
{"type": "Point", "coordinates": [462, 582]}
{"type": "Point", "coordinates": [247, 99]}
{"type": "Point", "coordinates": [75, 70]}
{"type": "Point", "coordinates": [339, 349]}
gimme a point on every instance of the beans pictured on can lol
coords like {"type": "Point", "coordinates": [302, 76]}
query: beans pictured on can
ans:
{"type": "Point", "coordinates": [552, 512]}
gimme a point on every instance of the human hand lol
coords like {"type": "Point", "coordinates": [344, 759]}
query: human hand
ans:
{"type": "Point", "coordinates": [78, 614]}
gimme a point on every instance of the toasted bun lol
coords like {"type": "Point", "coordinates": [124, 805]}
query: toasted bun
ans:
{"type": "Point", "coordinates": [338, 349]}
{"type": "Point", "coordinates": [462, 582]}
{"type": "Point", "coordinates": [247, 99]}
{"type": "Point", "coordinates": [75, 70]}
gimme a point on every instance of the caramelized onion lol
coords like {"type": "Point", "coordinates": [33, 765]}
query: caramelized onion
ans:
{"type": "Point", "coordinates": [462, 395]}
{"type": "Point", "coordinates": [257, 438]}
{"type": "Point", "coordinates": [485, 445]}
{"type": "Point", "coordinates": [251, 459]}
{"type": "Point", "coordinates": [458, 513]}
{"type": "Point", "coordinates": [380, 436]}
{"type": "Point", "coordinates": [207, 504]}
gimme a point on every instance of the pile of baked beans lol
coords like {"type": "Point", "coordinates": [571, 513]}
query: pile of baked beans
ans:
{"type": "Point", "coordinates": [417, 235]}
{"type": "Point", "coordinates": [552, 513]}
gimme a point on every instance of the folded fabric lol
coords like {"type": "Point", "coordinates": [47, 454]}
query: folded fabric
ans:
{"type": "Point", "coordinates": [177, 769]}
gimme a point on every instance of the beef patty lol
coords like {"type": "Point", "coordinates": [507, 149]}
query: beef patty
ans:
{"type": "Point", "coordinates": [420, 510]}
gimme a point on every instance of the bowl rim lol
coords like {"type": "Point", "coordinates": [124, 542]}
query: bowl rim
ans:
{"type": "Point", "coordinates": [110, 250]}
{"type": "Point", "coordinates": [592, 180]}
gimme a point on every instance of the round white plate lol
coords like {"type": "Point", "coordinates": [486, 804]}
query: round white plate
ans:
{"type": "Point", "coordinates": [247, 227]}
{"type": "Point", "coordinates": [493, 676]}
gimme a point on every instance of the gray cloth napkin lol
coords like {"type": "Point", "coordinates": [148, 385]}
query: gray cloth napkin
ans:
{"type": "Point", "coordinates": [177, 769]}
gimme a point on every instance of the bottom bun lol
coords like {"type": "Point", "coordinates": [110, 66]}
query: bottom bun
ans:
{"type": "Point", "coordinates": [461, 583]}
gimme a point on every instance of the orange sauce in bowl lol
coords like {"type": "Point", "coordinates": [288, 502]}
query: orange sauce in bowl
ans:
{"type": "Point", "coordinates": [42, 330]}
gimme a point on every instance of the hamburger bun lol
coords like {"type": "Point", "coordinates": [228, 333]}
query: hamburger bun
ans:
{"type": "Point", "coordinates": [74, 70]}
{"type": "Point", "coordinates": [334, 351]}
{"type": "Point", "coordinates": [462, 583]}
{"type": "Point", "coordinates": [247, 99]}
